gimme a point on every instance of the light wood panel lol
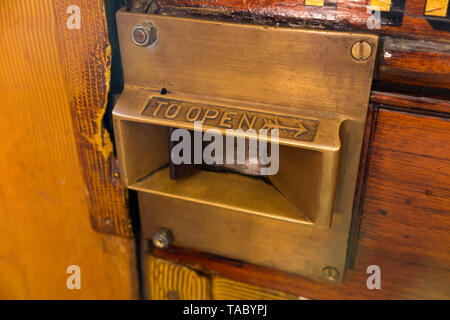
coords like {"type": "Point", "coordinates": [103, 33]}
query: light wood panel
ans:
{"type": "Point", "coordinates": [227, 289]}
{"type": "Point", "coordinates": [45, 203]}
{"type": "Point", "coordinates": [170, 281]}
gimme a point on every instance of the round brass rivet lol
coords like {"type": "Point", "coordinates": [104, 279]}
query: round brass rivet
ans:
{"type": "Point", "coordinates": [361, 50]}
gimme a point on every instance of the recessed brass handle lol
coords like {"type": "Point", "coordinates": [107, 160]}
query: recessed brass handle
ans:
{"type": "Point", "coordinates": [303, 189]}
{"type": "Point", "coordinates": [313, 86]}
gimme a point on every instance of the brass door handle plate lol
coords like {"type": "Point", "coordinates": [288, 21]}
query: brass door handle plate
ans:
{"type": "Point", "coordinates": [308, 84]}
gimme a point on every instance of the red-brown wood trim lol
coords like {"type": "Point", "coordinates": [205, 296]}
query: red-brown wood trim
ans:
{"type": "Point", "coordinates": [361, 185]}
{"type": "Point", "coordinates": [409, 102]}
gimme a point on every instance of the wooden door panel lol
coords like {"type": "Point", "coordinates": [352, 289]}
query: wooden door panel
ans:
{"type": "Point", "coordinates": [406, 220]}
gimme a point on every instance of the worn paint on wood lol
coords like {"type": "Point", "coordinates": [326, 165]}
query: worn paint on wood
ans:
{"type": "Point", "coordinates": [86, 54]}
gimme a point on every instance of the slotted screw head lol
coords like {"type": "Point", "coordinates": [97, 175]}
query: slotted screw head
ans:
{"type": "Point", "coordinates": [330, 273]}
{"type": "Point", "coordinates": [361, 50]}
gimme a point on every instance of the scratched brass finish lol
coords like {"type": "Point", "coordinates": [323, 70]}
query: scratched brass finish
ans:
{"type": "Point", "coordinates": [230, 76]}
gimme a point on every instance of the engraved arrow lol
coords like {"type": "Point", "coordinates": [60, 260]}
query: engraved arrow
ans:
{"type": "Point", "coordinates": [275, 124]}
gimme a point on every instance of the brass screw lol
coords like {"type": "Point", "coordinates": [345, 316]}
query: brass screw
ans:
{"type": "Point", "coordinates": [361, 51]}
{"type": "Point", "coordinates": [330, 273]}
{"type": "Point", "coordinates": [162, 238]}
{"type": "Point", "coordinates": [108, 225]}
{"type": "Point", "coordinates": [173, 295]}
{"type": "Point", "coordinates": [144, 34]}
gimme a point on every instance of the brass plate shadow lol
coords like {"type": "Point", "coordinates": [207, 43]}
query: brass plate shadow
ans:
{"type": "Point", "coordinates": [229, 76]}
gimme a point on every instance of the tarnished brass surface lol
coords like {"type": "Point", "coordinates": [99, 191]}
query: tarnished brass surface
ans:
{"type": "Point", "coordinates": [230, 118]}
{"type": "Point", "coordinates": [230, 76]}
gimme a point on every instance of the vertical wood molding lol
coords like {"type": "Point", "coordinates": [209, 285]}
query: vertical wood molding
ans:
{"type": "Point", "coordinates": [87, 57]}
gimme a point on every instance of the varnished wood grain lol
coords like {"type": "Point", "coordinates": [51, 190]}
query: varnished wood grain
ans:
{"type": "Point", "coordinates": [170, 281]}
{"type": "Point", "coordinates": [86, 54]}
{"type": "Point", "coordinates": [226, 289]}
{"type": "Point", "coordinates": [52, 95]}
{"type": "Point", "coordinates": [405, 220]}
{"type": "Point", "coordinates": [415, 62]}
{"type": "Point", "coordinates": [411, 103]}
